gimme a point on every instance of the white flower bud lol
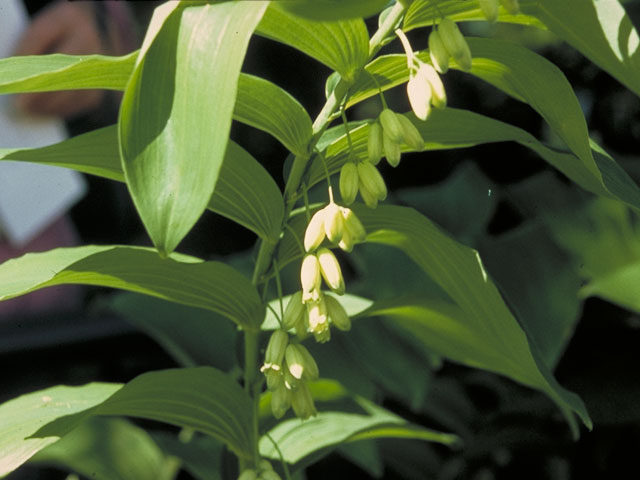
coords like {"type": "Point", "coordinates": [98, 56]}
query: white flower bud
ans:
{"type": "Point", "coordinates": [310, 274]}
{"type": "Point", "coordinates": [372, 180]}
{"type": "Point", "coordinates": [390, 125]}
{"type": "Point", "coordinates": [318, 320]}
{"type": "Point", "coordinates": [333, 222]}
{"type": "Point", "coordinates": [489, 9]}
{"type": "Point", "coordinates": [348, 182]}
{"type": "Point", "coordinates": [330, 269]}
{"type": "Point", "coordinates": [314, 235]}
{"type": "Point", "coordinates": [301, 363]}
{"type": "Point", "coordinates": [337, 314]}
{"type": "Point", "coordinates": [419, 93]}
{"type": "Point", "coordinates": [374, 143]}
{"type": "Point", "coordinates": [437, 52]}
{"type": "Point", "coordinates": [438, 93]}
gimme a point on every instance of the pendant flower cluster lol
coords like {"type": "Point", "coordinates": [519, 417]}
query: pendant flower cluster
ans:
{"type": "Point", "coordinates": [288, 364]}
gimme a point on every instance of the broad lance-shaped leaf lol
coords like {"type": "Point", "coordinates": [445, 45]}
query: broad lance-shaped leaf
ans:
{"type": "Point", "coordinates": [245, 192]}
{"type": "Point", "coordinates": [329, 429]}
{"type": "Point", "coordinates": [320, 10]}
{"type": "Point", "coordinates": [599, 29]}
{"type": "Point", "coordinates": [341, 45]}
{"type": "Point", "coordinates": [43, 73]}
{"type": "Point", "coordinates": [106, 449]}
{"type": "Point", "coordinates": [259, 103]}
{"type": "Point", "coordinates": [176, 114]}
{"type": "Point", "coordinates": [182, 279]}
{"type": "Point", "coordinates": [500, 343]}
{"type": "Point", "coordinates": [452, 128]}
{"type": "Point", "coordinates": [425, 13]}
{"type": "Point", "coordinates": [202, 398]}
{"type": "Point", "coordinates": [266, 106]}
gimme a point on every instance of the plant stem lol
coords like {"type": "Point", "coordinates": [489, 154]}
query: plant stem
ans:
{"type": "Point", "coordinates": [267, 248]}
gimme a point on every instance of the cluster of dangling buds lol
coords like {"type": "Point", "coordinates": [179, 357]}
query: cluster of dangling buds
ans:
{"type": "Point", "coordinates": [288, 364]}
{"type": "Point", "coordinates": [287, 368]}
{"type": "Point", "coordinates": [490, 8]}
{"type": "Point", "coordinates": [264, 472]}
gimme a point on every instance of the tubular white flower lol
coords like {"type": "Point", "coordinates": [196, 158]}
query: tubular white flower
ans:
{"type": "Point", "coordinates": [314, 234]}
{"type": "Point", "coordinates": [333, 222]}
{"type": "Point", "coordinates": [330, 269]}
{"type": "Point", "coordinates": [419, 94]}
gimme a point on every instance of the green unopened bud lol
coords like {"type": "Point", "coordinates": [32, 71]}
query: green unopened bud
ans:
{"type": "Point", "coordinates": [455, 43]}
{"type": "Point", "coordinates": [412, 136]}
{"type": "Point", "coordinates": [337, 314]}
{"type": "Point", "coordinates": [301, 363]}
{"type": "Point", "coordinates": [302, 402]}
{"type": "Point", "coordinates": [489, 9]}
{"type": "Point", "coordinates": [419, 94]}
{"type": "Point", "coordinates": [374, 142]}
{"type": "Point", "coordinates": [370, 200]}
{"type": "Point", "coordinates": [294, 312]}
{"type": "Point", "coordinates": [314, 234]}
{"type": "Point", "coordinates": [353, 224]}
{"type": "Point", "coordinates": [280, 401]}
{"type": "Point", "coordinates": [348, 182]}
{"type": "Point", "coordinates": [511, 6]}
{"type": "Point", "coordinates": [438, 52]}
{"type": "Point", "coordinates": [276, 347]}
{"type": "Point", "coordinates": [330, 269]}
{"type": "Point", "coordinates": [274, 378]}
{"type": "Point", "coordinates": [269, 475]}
{"type": "Point", "coordinates": [372, 180]}
{"type": "Point", "coordinates": [333, 222]}
{"type": "Point", "coordinates": [391, 151]}
{"type": "Point", "coordinates": [310, 274]}
{"type": "Point", "coordinates": [265, 464]}
{"type": "Point", "coordinates": [390, 125]}
{"type": "Point", "coordinates": [248, 475]}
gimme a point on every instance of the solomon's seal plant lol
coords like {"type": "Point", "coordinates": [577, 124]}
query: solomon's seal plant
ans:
{"type": "Point", "coordinates": [292, 395]}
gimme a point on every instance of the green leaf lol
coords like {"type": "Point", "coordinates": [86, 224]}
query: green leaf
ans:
{"type": "Point", "coordinates": [184, 332]}
{"type": "Point", "coordinates": [529, 77]}
{"type": "Point", "coordinates": [22, 417]}
{"type": "Point", "coordinates": [332, 9]}
{"type": "Point", "coordinates": [201, 456]}
{"type": "Point", "coordinates": [478, 329]}
{"type": "Point", "coordinates": [266, 106]}
{"type": "Point", "coordinates": [200, 398]}
{"type": "Point", "coordinates": [599, 29]}
{"type": "Point", "coordinates": [343, 45]}
{"type": "Point", "coordinates": [181, 279]}
{"type": "Point", "coordinates": [44, 73]}
{"type": "Point", "coordinates": [106, 449]}
{"type": "Point", "coordinates": [537, 279]}
{"type": "Point", "coordinates": [203, 399]}
{"type": "Point", "coordinates": [424, 13]}
{"type": "Point", "coordinates": [245, 192]}
{"type": "Point", "coordinates": [619, 287]}
{"type": "Point", "coordinates": [326, 431]}
{"type": "Point", "coordinates": [176, 114]}
{"type": "Point", "coordinates": [452, 128]}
